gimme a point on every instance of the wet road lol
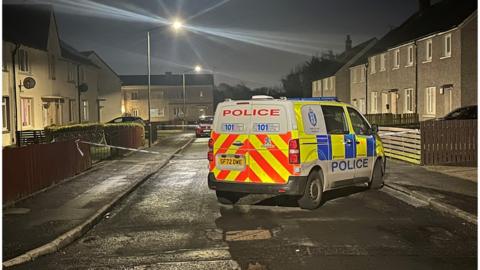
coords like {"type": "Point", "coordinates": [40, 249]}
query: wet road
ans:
{"type": "Point", "coordinates": [174, 222]}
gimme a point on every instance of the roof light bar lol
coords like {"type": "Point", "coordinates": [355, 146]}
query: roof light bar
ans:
{"type": "Point", "coordinates": [317, 99]}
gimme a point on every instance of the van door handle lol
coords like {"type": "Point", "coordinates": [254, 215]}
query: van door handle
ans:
{"type": "Point", "coordinates": [238, 143]}
{"type": "Point", "coordinates": [357, 142]}
{"type": "Point", "coordinates": [348, 141]}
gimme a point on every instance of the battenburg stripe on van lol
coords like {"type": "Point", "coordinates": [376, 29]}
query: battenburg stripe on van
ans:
{"type": "Point", "coordinates": [371, 146]}
{"type": "Point", "coordinates": [350, 148]}
{"type": "Point", "coordinates": [324, 147]}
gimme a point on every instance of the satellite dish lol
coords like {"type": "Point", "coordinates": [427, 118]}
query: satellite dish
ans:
{"type": "Point", "coordinates": [29, 82]}
{"type": "Point", "coordinates": [83, 87]}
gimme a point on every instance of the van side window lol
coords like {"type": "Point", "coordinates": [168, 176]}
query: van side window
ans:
{"type": "Point", "coordinates": [335, 120]}
{"type": "Point", "coordinates": [360, 126]}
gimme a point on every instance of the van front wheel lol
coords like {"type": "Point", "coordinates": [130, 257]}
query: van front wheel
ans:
{"type": "Point", "coordinates": [226, 197]}
{"type": "Point", "coordinates": [312, 197]}
{"type": "Point", "coordinates": [377, 176]}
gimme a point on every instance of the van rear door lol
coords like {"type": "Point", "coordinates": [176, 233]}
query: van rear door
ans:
{"type": "Point", "coordinates": [269, 138]}
{"type": "Point", "coordinates": [230, 135]}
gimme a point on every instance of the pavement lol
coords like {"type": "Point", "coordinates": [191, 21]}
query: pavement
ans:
{"type": "Point", "coordinates": [446, 189]}
{"type": "Point", "coordinates": [173, 221]}
{"type": "Point", "coordinates": [48, 220]}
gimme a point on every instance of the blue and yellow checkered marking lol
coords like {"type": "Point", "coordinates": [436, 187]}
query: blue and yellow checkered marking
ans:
{"type": "Point", "coordinates": [325, 149]}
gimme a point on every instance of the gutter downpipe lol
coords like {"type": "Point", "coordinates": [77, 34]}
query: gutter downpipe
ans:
{"type": "Point", "coordinates": [366, 87]}
{"type": "Point", "coordinates": [15, 115]}
{"type": "Point", "coordinates": [79, 95]}
{"type": "Point", "coordinates": [416, 77]}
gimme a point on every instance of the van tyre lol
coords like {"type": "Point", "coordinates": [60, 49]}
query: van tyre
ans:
{"type": "Point", "coordinates": [312, 197]}
{"type": "Point", "coordinates": [377, 176]}
{"type": "Point", "coordinates": [227, 197]}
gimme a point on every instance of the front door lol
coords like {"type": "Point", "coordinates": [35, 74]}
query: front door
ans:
{"type": "Point", "coordinates": [385, 103]}
{"type": "Point", "coordinates": [393, 102]}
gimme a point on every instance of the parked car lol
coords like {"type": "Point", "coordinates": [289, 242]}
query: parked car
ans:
{"type": "Point", "coordinates": [204, 126]}
{"type": "Point", "coordinates": [463, 113]}
{"type": "Point", "coordinates": [128, 119]}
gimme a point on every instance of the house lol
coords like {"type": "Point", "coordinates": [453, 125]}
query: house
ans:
{"type": "Point", "coordinates": [335, 80]}
{"type": "Point", "coordinates": [109, 89]}
{"type": "Point", "coordinates": [66, 82]}
{"type": "Point", "coordinates": [426, 66]}
{"type": "Point", "coordinates": [167, 99]}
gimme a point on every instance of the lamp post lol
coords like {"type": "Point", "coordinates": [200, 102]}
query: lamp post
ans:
{"type": "Point", "coordinates": [197, 69]}
{"type": "Point", "coordinates": [176, 25]}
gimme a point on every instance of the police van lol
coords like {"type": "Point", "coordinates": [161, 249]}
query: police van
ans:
{"type": "Point", "coordinates": [301, 147]}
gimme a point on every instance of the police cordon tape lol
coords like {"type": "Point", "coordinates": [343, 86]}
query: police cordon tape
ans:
{"type": "Point", "coordinates": [112, 146]}
{"type": "Point", "coordinates": [397, 133]}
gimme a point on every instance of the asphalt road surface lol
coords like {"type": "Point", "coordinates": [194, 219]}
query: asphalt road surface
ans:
{"type": "Point", "coordinates": [173, 221]}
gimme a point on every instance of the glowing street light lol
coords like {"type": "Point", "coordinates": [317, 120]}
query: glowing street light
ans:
{"type": "Point", "coordinates": [177, 25]}
{"type": "Point", "coordinates": [198, 68]}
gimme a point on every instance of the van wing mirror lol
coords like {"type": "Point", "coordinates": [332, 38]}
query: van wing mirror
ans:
{"type": "Point", "coordinates": [374, 129]}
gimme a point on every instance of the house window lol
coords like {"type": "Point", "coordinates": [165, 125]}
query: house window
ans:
{"type": "Point", "coordinates": [354, 75]}
{"type": "Point", "coordinates": [161, 112]}
{"type": "Point", "coordinates": [26, 106]}
{"type": "Point", "coordinates": [23, 61]}
{"type": "Point", "coordinates": [396, 59]}
{"type": "Point", "coordinates": [361, 105]}
{"type": "Point", "coordinates": [325, 84]}
{"type": "Point", "coordinates": [382, 61]}
{"type": "Point", "coordinates": [410, 56]}
{"type": "Point", "coordinates": [85, 115]}
{"type": "Point", "coordinates": [428, 51]}
{"type": "Point", "coordinates": [71, 72]}
{"type": "Point", "coordinates": [372, 65]}
{"type": "Point", "coordinates": [201, 93]}
{"type": "Point", "coordinates": [51, 66]}
{"type": "Point", "coordinates": [409, 100]}
{"type": "Point", "coordinates": [332, 83]}
{"type": "Point", "coordinates": [374, 102]}
{"type": "Point", "coordinates": [362, 74]}
{"type": "Point", "coordinates": [134, 95]}
{"type": "Point", "coordinates": [430, 100]}
{"type": "Point", "coordinates": [71, 110]}
{"type": "Point", "coordinates": [447, 45]}
{"type": "Point", "coordinates": [5, 114]}
{"type": "Point", "coordinates": [134, 112]}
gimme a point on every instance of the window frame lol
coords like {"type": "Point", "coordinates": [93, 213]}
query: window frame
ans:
{"type": "Point", "coordinates": [428, 50]}
{"type": "Point", "coordinates": [409, 94]}
{"type": "Point", "coordinates": [383, 59]}
{"type": "Point", "coordinates": [346, 126]}
{"type": "Point", "coordinates": [396, 59]}
{"type": "Point", "coordinates": [410, 58]}
{"type": "Point", "coordinates": [85, 111]}
{"type": "Point", "coordinates": [374, 107]}
{"type": "Point", "coordinates": [70, 72]}
{"type": "Point", "coordinates": [446, 53]}
{"type": "Point", "coordinates": [5, 113]}
{"type": "Point", "coordinates": [430, 100]}
{"type": "Point", "coordinates": [372, 65]}
{"type": "Point", "coordinates": [51, 67]}
{"type": "Point", "coordinates": [23, 61]}
{"type": "Point", "coordinates": [134, 95]}
{"type": "Point", "coordinates": [369, 126]}
{"type": "Point", "coordinates": [28, 124]}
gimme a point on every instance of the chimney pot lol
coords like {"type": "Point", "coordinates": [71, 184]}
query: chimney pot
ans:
{"type": "Point", "coordinates": [348, 43]}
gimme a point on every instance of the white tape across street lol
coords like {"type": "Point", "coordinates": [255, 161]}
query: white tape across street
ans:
{"type": "Point", "coordinates": [112, 146]}
{"type": "Point", "coordinates": [397, 133]}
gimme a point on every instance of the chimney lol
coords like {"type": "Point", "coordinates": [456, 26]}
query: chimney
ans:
{"type": "Point", "coordinates": [423, 5]}
{"type": "Point", "coordinates": [348, 44]}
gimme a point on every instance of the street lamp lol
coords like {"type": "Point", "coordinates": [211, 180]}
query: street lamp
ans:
{"type": "Point", "coordinates": [197, 69]}
{"type": "Point", "coordinates": [176, 25]}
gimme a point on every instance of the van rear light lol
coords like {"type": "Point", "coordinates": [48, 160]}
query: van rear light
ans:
{"type": "Point", "coordinates": [210, 150]}
{"type": "Point", "coordinates": [294, 152]}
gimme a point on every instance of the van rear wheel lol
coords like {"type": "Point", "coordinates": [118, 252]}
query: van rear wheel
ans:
{"type": "Point", "coordinates": [227, 197]}
{"type": "Point", "coordinates": [377, 176]}
{"type": "Point", "coordinates": [312, 197]}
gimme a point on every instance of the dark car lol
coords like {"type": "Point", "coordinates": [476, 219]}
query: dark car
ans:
{"type": "Point", "coordinates": [128, 119]}
{"type": "Point", "coordinates": [463, 113]}
{"type": "Point", "coordinates": [204, 126]}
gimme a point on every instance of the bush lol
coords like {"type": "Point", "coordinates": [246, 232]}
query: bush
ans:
{"type": "Point", "coordinates": [86, 132]}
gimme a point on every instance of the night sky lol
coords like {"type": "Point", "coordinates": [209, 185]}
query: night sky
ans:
{"type": "Point", "coordinates": [251, 41]}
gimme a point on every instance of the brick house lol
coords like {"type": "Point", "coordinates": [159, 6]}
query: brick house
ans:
{"type": "Point", "coordinates": [167, 101]}
{"type": "Point", "coordinates": [426, 66]}
{"type": "Point", "coordinates": [335, 80]}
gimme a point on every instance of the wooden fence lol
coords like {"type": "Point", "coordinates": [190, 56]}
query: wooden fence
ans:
{"type": "Point", "coordinates": [402, 143]}
{"type": "Point", "coordinates": [452, 142]}
{"type": "Point", "coordinates": [34, 167]}
{"type": "Point", "coordinates": [394, 120]}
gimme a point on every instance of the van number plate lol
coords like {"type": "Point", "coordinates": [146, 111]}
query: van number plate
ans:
{"type": "Point", "coordinates": [232, 127]}
{"type": "Point", "coordinates": [266, 127]}
{"type": "Point", "coordinates": [231, 162]}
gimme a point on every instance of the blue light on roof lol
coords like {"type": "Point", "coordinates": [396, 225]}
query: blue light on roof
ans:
{"type": "Point", "coordinates": [316, 99]}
